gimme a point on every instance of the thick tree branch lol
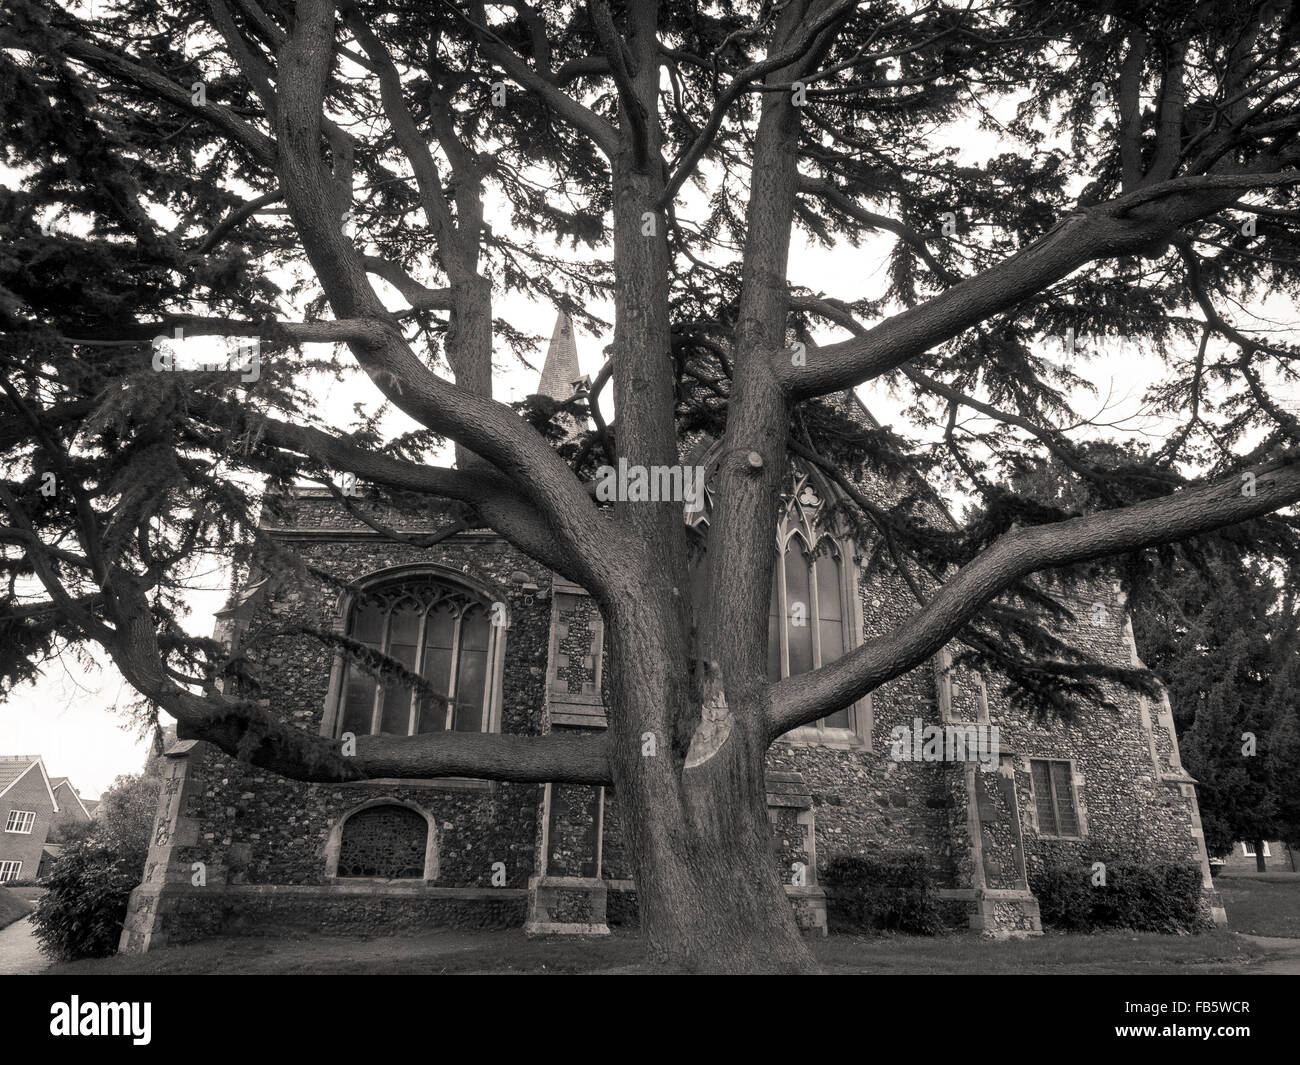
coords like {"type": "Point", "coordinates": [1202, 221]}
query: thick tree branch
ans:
{"type": "Point", "coordinates": [489, 429]}
{"type": "Point", "coordinates": [236, 218]}
{"type": "Point", "coordinates": [1126, 225]}
{"type": "Point", "coordinates": [246, 731]}
{"type": "Point", "coordinates": [257, 144]}
{"type": "Point", "coordinates": [562, 758]}
{"type": "Point", "coordinates": [1191, 512]}
{"type": "Point", "coordinates": [805, 42]}
{"type": "Point", "coordinates": [256, 736]}
{"type": "Point", "coordinates": [360, 330]}
{"type": "Point", "coordinates": [619, 59]}
{"type": "Point", "coordinates": [419, 296]}
{"type": "Point", "coordinates": [1130, 110]}
{"type": "Point", "coordinates": [494, 498]}
{"type": "Point", "coordinates": [1050, 436]}
{"type": "Point", "coordinates": [413, 146]}
{"type": "Point", "coordinates": [42, 562]}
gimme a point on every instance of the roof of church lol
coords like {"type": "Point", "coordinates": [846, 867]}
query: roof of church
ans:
{"type": "Point", "coordinates": [560, 372]}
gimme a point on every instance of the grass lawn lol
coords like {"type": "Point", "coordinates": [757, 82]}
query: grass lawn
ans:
{"type": "Point", "coordinates": [510, 952]}
{"type": "Point", "coordinates": [12, 907]}
{"type": "Point", "coordinates": [1262, 907]}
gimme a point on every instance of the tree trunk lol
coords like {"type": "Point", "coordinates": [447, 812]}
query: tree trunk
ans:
{"type": "Point", "coordinates": [1259, 857]}
{"type": "Point", "coordinates": [710, 894]}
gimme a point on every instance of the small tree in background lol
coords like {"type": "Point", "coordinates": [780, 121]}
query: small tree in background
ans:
{"type": "Point", "coordinates": [1224, 641]}
{"type": "Point", "coordinates": [126, 811]}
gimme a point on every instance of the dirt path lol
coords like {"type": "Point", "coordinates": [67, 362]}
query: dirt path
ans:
{"type": "Point", "coordinates": [18, 953]}
{"type": "Point", "coordinates": [1283, 961]}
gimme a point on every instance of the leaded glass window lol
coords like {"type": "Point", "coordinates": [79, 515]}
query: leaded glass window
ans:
{"type": "Point", "coordinates": [440, 632]}
{"type": "Point", "coordinates": [1054, 797]}
{"type": "Point", "coordinates": [806, 619]}
{"type": "Point", "coordinates": [810, 605]}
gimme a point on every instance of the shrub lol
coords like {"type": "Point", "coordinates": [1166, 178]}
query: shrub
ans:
{"type": "Point", "coordinates": [1064, 895]}
{"type": "Point", "coordinates": [84, 908]}
{"type": "Point", "coordinates": [82, 912]}
{"type": "Point", "coordinates": [1152, 897]}
{"type": "Point", "coordinates": [887, 890]}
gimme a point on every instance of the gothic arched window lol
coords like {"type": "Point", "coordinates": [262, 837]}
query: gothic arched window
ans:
{"type": "Point", "coordinates": [808, 621]}
{"type": "Point", "coordinates": [443, 633]}
{"type": "Point", "coordinates": [812, 619]}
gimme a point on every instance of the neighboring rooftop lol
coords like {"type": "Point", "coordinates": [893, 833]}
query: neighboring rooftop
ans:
{"type": "Point", "coordinates": [12, 766]}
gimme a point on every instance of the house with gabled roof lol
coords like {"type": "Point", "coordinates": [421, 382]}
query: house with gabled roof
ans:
{"type": "Point", "coordinates": [35, 810]}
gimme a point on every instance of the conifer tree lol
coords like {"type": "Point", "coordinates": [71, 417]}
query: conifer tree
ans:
{"type": "Point", "coordinates": [346, 188]}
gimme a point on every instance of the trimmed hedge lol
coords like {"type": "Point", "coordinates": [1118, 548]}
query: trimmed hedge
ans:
{"type": "Point", "coordinates": [1150, 897]}
{"type": "Point", "coordinates": [890, 890]}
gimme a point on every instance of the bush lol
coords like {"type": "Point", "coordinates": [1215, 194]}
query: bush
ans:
{"type": "Point", "coordinates": [888, 890]}
{"type": "Point", "coordinates": [84, 908]}
{"type": "Point", "coordinates": [82, 912]}
{"type": "Point", "coordinates": [1153, 897]}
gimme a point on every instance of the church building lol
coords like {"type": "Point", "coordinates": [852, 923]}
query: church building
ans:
{"type": "Point", "coordinates": [518, 649]}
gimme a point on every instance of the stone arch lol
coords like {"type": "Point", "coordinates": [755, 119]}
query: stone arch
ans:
{"type": "Point", "coordinates": [334, 843]}
{"type": "Point", "coordinates": [495, 601]}
{"type": "Point", "coordinates": [433, 571]}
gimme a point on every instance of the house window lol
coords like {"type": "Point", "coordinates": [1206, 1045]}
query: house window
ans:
{"type": "Point", "coordinates": [1054, 797]}
{"type": "Point", "coordinates": [811, 620]}
{"type": "Point", "coordinates": [388, 842]}
{"type": "Point", "coordinates": [1248, 850]}
{"type": "Point", "coordinates": [440, 632]}
{"type": "Point", "coordinates": [10, 871]}
{"type": "Point", "coordinates": [20, 821]}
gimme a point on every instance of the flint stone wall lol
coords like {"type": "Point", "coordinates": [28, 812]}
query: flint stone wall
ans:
{"type": "Point", "coordinates": [264, 838]}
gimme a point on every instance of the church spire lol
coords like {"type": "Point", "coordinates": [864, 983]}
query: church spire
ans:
{"type": "Point", "coordinates": [561, 375]}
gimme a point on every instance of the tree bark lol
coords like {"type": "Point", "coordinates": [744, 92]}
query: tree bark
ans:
{"type": "Point", "coordinates": [1259, 857]}
{"type": "Point", "coordinates": [695, 810]}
